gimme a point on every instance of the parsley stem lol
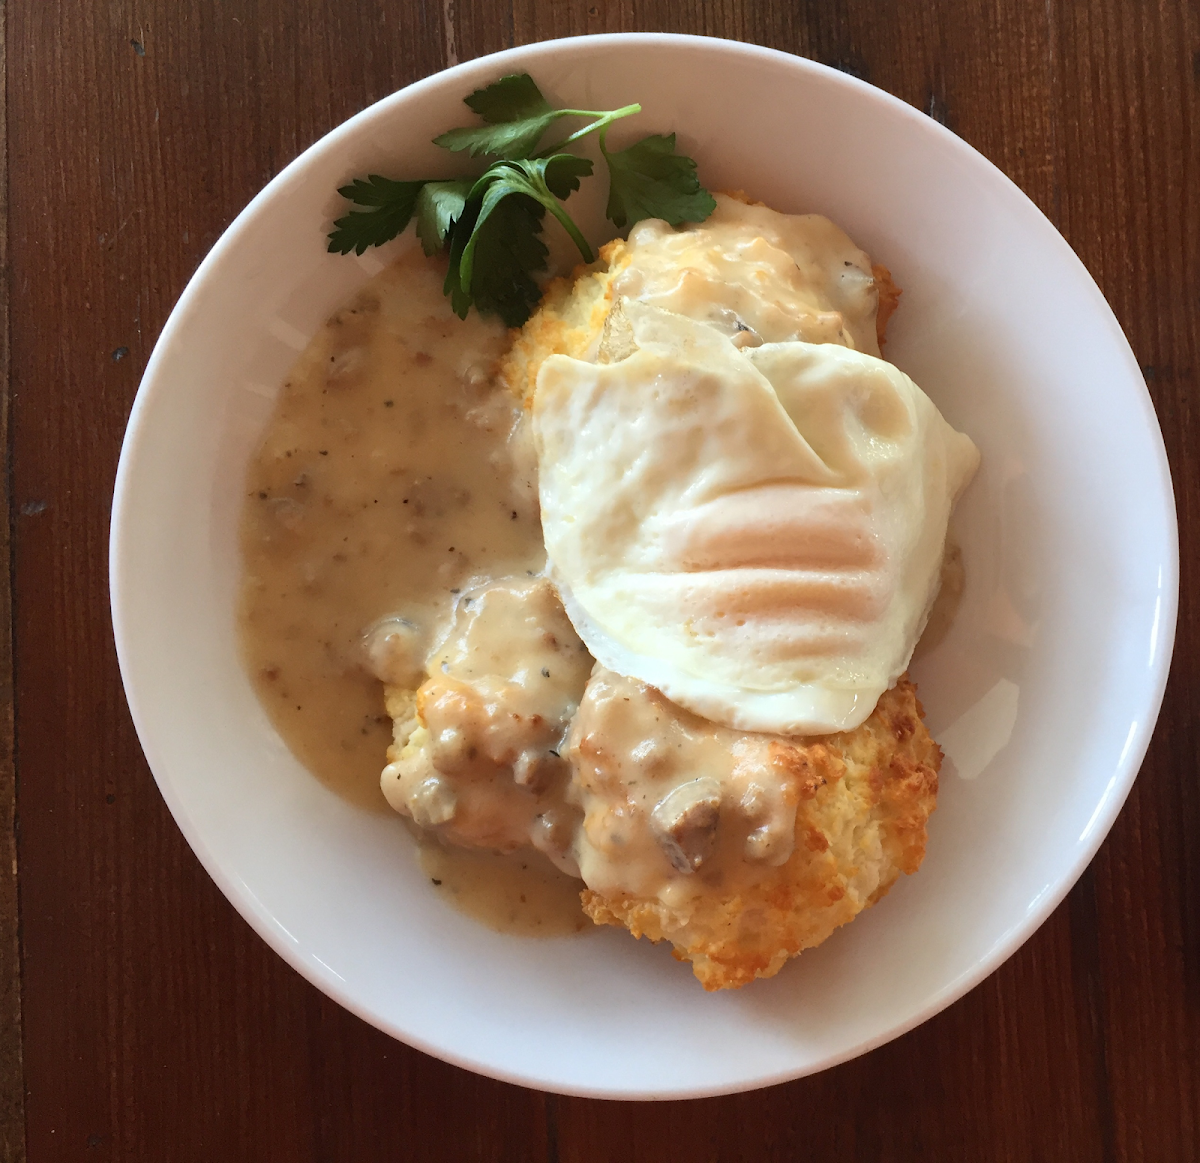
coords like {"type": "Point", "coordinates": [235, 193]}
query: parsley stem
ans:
{"type": "Point", "coordinates": [602, 122]}
{"type": "Point", "coordinates": [555, 208]}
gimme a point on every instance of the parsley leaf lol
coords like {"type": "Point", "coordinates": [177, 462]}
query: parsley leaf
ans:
{"type": "Point", "coordinates": [496, 243]}
{"type": "Point", "coordinates": [530, 177]}
{"type": "Point", "coordinates": [452, 288]}
{"type": "Point", "coordinates": [516, 114]}
{"type": "Point", "coordinates": [506, 248]}
{"type": "Point", "coordinates": [562, 172]}
{"type": "Point", "coordinates": [439, 206]}
{"type": "Point", "coordinates": [512, 98]}
{"type": "Point", "coordinates": [650, 180]}
{"type": "Point", "coordinates": [392, 205]}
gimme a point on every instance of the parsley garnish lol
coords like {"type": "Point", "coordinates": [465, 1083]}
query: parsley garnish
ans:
{"type": "Point", "coordinates": [650, 180]}
{"type": "Point", "coordinates": [439, 206]}
{"type": "Point", "coordinates": [393, 204]}
{"type": "Point", "coordinates": [492, 224]}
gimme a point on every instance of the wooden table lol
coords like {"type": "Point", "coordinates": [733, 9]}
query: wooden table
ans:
{"type": "Point", "coordinates": [141, 1018]}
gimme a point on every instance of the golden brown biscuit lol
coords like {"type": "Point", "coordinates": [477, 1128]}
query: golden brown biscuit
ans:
{"type": "Point", "coordinates": [862, 801]}
{"type": "Point", "coordinates": [573, 311]}
{"type": "Point", "coordinates": [569, 320]}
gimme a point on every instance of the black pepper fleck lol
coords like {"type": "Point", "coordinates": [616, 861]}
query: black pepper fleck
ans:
{"type": "Point", "coordinates": [435, 880]}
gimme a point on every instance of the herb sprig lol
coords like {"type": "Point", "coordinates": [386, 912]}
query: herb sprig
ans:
{"type": "Point", "coordinates": [492, 224]}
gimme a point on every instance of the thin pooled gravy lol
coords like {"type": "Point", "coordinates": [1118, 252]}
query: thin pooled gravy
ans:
{"type": "Point", "coordinates": [371, 496]}
{"type": "Point", "coordinates": [389, 478]}
{"type": "Point", "coordinates": [521, 893]}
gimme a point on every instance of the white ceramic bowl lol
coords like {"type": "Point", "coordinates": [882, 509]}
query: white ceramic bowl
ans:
{"type": "Point", "coordinates": [1044, 694]}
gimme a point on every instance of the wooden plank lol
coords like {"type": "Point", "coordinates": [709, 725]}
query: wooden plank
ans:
{"type": "Point", "coordinates": [157, 1026]}
{"type": "Point", "coordinates": [12, 1083]}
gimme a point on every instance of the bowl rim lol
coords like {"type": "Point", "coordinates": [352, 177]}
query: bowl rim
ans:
{"type": "Point", "coordinates": [258, 917]}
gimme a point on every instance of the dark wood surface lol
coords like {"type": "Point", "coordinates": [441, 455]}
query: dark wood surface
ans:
{"type": "Point", "coordinates": [153, 1024]}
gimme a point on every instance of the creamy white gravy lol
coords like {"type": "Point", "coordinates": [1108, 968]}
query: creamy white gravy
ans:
{"type": "Point", "coordinates": [391, 478]}
{"type": "Point", "coordinates": [518, 893]}
{"type": "Point", "coordinates": [676, 806]}
{"type": "Point", "coordinates": [757, 275]}
{"type": "Point", "coordinates": [383, 484]}
{"type": "Point", "coordinates": [483, 763]}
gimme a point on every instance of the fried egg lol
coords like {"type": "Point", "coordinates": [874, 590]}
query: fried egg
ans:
{"type": "Point", "coordinates": [756, 531]}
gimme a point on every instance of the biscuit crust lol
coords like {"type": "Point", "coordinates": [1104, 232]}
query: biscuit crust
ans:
{"type": "Point", "coordinates": [865, 798]}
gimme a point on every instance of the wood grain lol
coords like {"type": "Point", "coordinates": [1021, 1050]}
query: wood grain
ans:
{"type": "Point", "coordinates": [12, 1087]}
{"type": "Point", "coordinates": [156, 1025]}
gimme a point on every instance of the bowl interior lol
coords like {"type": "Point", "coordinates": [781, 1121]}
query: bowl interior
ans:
{"type": "Point", "coordinates": [1043, 694]}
